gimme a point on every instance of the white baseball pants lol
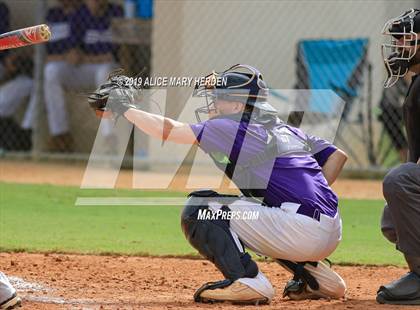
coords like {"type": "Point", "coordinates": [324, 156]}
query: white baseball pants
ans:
{"type": "Point", "coordinates": [284, 234]}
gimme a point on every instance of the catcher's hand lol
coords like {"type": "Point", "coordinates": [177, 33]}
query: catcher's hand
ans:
{"type": "Point", "coordinates": [114, 97]}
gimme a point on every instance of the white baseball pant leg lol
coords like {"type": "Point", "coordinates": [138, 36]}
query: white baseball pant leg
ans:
{"type": "Point", "coordinates": [58, 77]}
{"type": "Point", "coordinates": [282, 233]}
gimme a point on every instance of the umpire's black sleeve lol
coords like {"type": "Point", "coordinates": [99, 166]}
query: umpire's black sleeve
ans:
{"type": "Point", "coordinates": [412, 119]}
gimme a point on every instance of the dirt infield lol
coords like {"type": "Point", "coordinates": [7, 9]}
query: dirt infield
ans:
{"type": "Point", "coordinates": [72, 174]}
{"type": "Point", "coordinates": [58, 281]}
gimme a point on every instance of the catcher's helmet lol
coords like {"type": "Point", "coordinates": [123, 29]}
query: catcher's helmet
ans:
{"type": "Point", "coordinates": [398, 54]}
{"type": "Point", "coordinates": [239, 83]}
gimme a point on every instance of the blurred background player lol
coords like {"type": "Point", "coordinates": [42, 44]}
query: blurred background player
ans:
{"type": "Point", "coordinates": [401, 186]}
{"type": "Point", "coordinates": [79, 59]}
{"type": "Point", "coordinates": [58, 72]}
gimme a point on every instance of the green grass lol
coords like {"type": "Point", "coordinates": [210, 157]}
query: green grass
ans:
{"type": "Point", "coordinates": [363, 242]}
{"type": "Point", "coordinates": [43, 218]}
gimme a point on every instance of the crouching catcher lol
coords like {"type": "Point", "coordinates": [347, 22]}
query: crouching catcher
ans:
{"type": "Point", "coordinates": [284, 175]}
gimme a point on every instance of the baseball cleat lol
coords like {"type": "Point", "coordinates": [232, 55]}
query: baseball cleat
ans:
{"type": "Point", "coordinates": [236, 293]}
{"type": "Point", "coordinates": [404, 291]}
{"type": "Point", "coordinates": [11, 303]}
{"type": "Point", "coordinates": [313, 281]}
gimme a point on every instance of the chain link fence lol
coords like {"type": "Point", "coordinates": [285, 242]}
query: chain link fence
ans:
{"type": "Point", "coordinates": [295, 44]}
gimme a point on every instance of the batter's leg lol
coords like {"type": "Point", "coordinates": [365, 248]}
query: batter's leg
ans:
{"type": "Point", "coordinates": [8, 296]}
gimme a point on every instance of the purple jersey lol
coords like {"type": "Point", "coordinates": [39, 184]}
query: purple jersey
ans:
{"type": "Point", "coordinates": [93, 33]}
{"type": "Point", "coordinates": [59, 23]}
{"type": "Point", "coordinates": [290, 177]}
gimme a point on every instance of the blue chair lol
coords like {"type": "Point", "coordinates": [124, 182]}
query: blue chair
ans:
{"type": "Point", "coordinates": [341, 66]}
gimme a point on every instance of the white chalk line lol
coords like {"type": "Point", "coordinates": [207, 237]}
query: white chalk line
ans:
{"type": "Point", "coordinates": [23, 286]}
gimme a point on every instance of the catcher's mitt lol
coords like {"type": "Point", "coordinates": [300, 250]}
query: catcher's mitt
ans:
{"type": "Point", "coordinates": [114, 97]}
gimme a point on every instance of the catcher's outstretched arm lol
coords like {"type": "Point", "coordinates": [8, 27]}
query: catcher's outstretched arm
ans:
{"type": "Point", "coordinates": [334, 165]}
{"type": "Point", "coordinates": [161, 127]}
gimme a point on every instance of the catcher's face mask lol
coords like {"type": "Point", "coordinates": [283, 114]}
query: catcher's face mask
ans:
{"type": "Point", "coordinates": [398, 54]}
{"type": "Point", "coordinates": [239, 83]}
{"type": "Point", "coordinates": [206, 89]}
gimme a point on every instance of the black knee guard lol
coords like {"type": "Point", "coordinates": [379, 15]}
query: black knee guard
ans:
{"type": "Point", "coordinates": [213, 240]}
{"type": "Point", "coordinates": [300, 276]}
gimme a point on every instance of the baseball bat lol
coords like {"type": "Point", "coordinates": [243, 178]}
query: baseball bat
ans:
{"type": "Point", "coordinates": [25, 36]}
